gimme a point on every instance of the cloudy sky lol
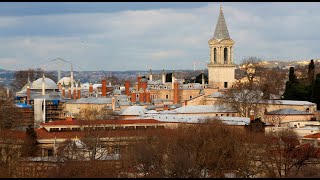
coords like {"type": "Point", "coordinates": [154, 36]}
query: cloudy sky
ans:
{"type": "Point", "coordinates": [161, 35]}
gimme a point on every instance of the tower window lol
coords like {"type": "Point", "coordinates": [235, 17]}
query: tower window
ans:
{"type": "Point", "coordinates": [225, 84]}
{"type": "Point", "coordinates": [167, 96]}
{"type": "Point", "coordinates": [225, 54]}
{"type": "Point", "coordinates": [215, 55]}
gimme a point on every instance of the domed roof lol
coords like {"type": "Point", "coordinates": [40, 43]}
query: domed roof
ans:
{"type": "Point", "coordinates": [133, 110]}
{"type": "Point", "coordinates": [48, 84]}
{"type": "Point", "coordinates": [66, 81]}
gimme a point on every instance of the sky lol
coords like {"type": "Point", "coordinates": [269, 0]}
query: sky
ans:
{"type": "Point", "coordinates": [121, 36]}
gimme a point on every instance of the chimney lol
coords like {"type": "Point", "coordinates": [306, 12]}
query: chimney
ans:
{"type": "Point", "coordinates": [148, 98]}
{"type": "Point", "coordinates": [63, 92]}
{"type": "Point", "coordinates": [173, 79]}
{"type": "Point", "coordinates": [127, 88]}
{"type": "Point", "coordinates": [133, 96]}
{"type": "Point", "coordinates": [144, 85]}
{"type": "Point", "coordinates": [202, 78]}
{"type": "Point", "coordinates": [28, 94]}
{"type": "Point", "coordinates": [79, 92]}
{"type": "Point", "coordinates": [163, 77]}
{"type": "Point", "coordinates": [150, 75]}
{"type": "Point", "coordinates": [71, 74]}
{"type": "Point", "coordinates": [69, 92]}
{"type": "Point", "coordinates": [104, 88]}
{"type": "Point", "coordinates": [139, 84]}
{"type": "Point", "coordinates": [90, 89]}
{"type": "Point", "coordinates": [74, 93]}
{"type": "Point", "coordinates": [141, 96]}
{"type": "Point", "coordinates": [251, 115]}
{"type": "Point", "coordinates": [176, 93]}
{"type": "Point", "coordinates": [113, 103]}
{"type": "Point", "coordinates": [43, 84]}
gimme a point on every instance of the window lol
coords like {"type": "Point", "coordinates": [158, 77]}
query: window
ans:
{"type": "Point", "coordinates": [167, 96]}
{"type": "Point", "coordinates": [54, 129]}
{"type": "Point", "coordinates": [190, 97]}
{"type": "Point", "coordinates": [225, 84]}
{"type": "Point", "coordinates": [50, 152]}
{"type": "Point", "coordinates": [221, 114]}
{"type": "Point", "coordinates": [225, 53]}
{"type": "Point", "coordinates": [227, 114]}
{"type": "Point", "coordinates": [215, 55]}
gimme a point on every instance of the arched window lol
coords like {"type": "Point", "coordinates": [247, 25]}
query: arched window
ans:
{"type": "Point", "coordinates": [215, 55]}
{"type": "Point", "coordinates": [225, 54]}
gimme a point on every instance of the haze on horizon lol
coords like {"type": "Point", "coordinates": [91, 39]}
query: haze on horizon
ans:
{"type": "Point", "coordinates": [126, 36]}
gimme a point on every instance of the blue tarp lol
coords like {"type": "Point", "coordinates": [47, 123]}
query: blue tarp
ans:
{"type": "Point", "coordinates": [23, 105]}
{"type": "Point", "coordinates": [55, 102]}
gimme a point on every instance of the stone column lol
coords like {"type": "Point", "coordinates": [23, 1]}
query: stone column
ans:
{"type": "Point", "coordinates": [222, 54]}
{"type": "Point", "coordinates": [229, 55]}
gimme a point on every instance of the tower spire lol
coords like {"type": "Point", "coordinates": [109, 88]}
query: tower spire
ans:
{"type": "Point", "coordinates": [221, 31]}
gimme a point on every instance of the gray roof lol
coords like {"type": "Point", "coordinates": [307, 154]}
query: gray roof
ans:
{"type": "Point", "coordinates": [196, 118]}
{"type": "Point", "coordinates": [221, 31]}
{"type": "Point", "coordinates": [203, 109]}
{"type": "Point", "coordinates": [92, 100]}
{"type": "Point", "coordinates": [288, 111]}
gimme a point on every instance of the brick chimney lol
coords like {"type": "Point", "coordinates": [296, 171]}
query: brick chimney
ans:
{"type": "Point", "coordinates": [90, 89]}
{"type": "Point", "coordinates": [69, 92]}
{"type": "Point", "coordinates": [133, 96]}
{"type": "Point", "coordinates": [104, 88]}
{"type": "Point", "coordinates": [251, 115]}
{"type": "Point", "coordinates": [141, 96]}
{"type": "Point", "coordinates": [147, 95]}
{"type": "Point", "coordinates": [127, 88]}
{"type": "Point", "coordinates": [79, 92]}
{"type": "Point", "coordinates": [63, 92]}
{"type": "Point", "coordinates": [139, 84]}
{"type": "Point", "coordinates": [74, 93]}
{"type": "Point", "coordinates": [144, 85]}
{"type": "Point", "coordinates": [28, 94]}
{"type": "Point", "coordinates": [176, 93]}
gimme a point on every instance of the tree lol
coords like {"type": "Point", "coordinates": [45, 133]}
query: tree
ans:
{"type": "Point", "coordinates": [316, 91]}
{"type": "Point", "coordinates": [296, 90]}
{"type": "Point", "coordinates": [9, 113]}
{"type": "Point", "coordinates": [283, 155]}
{"type": "Point", "coordinates": [169, 77]}
{"type": "Point", "coordinates": [243, 98]}
{"type": "Point", "coordinates": [21, 77]}
{"type": "Point", "coordinates": [199, 78]}
{"type": "Point", "coordinates": [311, 72]}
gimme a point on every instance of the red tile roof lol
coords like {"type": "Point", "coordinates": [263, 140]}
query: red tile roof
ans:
{"type": "Point", "coordinates": [315, 136]}
{"type": "Point", "coordinates": [44, 134]}
{"type": "Point", "coordinates": [97, 122]}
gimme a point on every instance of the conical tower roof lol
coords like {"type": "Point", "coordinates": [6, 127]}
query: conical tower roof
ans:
{"type": "Point", "coordinates": [221, 31]}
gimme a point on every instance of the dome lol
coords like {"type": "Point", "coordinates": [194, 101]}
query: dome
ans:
{"type": "Point", "coordinates": [66, 81]}
{"type": "Point", "coordinates": [133, 110]}
{"type": "Point", "coordinates": [48, 84]}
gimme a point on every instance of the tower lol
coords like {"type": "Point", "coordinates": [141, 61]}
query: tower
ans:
{"type": "Point", "coordinates": [221, 68]}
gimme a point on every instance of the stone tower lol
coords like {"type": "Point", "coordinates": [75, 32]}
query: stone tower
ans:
{"type": "Point", "coordinates": [221, 68]}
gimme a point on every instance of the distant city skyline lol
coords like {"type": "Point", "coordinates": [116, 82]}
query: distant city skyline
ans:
{"type": "Point", "coordinates": [125, 36]}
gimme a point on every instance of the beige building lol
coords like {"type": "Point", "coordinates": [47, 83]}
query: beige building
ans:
{"type": "Point", "coordinates": [221, 68]}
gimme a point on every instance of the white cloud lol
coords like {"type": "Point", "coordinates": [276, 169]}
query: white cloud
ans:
{"type": "Point", "coordinates": [131, 40]}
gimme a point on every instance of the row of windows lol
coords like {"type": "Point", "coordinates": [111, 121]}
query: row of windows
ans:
{"type": "Point", "coordinates": [105, 128]}
{"type": "Point", "coordinates": [225, 55]}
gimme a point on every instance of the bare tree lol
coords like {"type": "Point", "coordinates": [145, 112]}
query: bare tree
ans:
{"type": "Point", "coordinates": [283, 155]}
